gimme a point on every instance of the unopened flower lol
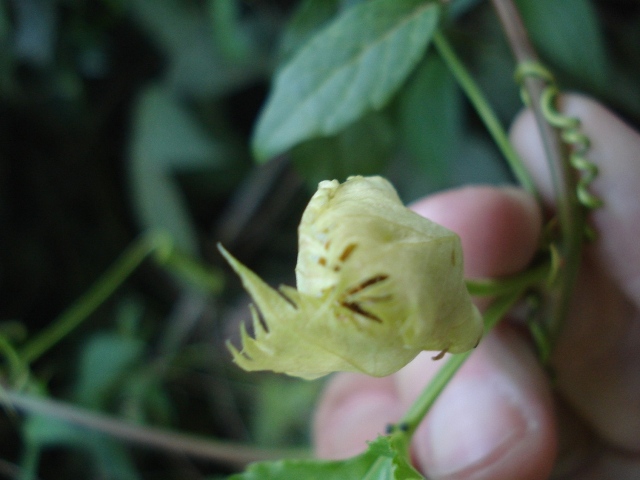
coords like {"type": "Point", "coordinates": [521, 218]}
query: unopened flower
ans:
{"type": "Point", "coordinates": [376, 285]}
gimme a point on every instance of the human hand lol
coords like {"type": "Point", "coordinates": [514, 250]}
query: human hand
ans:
{"type": "Point", "coordinates": [500, 418]}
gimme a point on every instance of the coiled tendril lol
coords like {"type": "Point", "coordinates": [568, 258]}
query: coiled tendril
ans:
{"type": "Point", "coordinates": [569, 127]}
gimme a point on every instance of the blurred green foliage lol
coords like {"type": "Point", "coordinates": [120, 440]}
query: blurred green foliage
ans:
{"type": "Point", "coordinates": [118, 117]}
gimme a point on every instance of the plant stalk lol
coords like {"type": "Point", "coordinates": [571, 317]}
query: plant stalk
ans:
{"type": "Point", "coordinates": [502, 286]}
{"type": "Point", "coordinates": [71, 318]}
{"type": "Point", "coordinates": [228, 453]}
{"type": "Point", "coordinates": [484, 110]}
{"type": "Point", "coordinates": [571, 217]}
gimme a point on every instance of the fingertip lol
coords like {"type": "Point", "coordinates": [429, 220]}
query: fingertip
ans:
{"type": "Point", "coordinates": [499, 227]}
{"type": "Point", "coordinates": [494, 420]}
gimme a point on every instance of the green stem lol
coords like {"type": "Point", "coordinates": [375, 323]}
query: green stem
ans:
{"type": "Point", "coordinates": [16, 365]}
{"type": "Point", "coordinates": [484, 110]}
{"type": "Point", "coordinates": [92, 299]}
{"type": "Point", "coordinates": [421, 406]}
{"type": "Point", "coordinates": [502, 286]}
{"type": "Point", "coordinates": [571, 217]}
{"type": "Point", "coordinates": [187, 267]}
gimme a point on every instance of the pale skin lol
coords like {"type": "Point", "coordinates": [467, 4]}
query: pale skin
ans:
{"type": "Point", "coordinates": [500, 417]}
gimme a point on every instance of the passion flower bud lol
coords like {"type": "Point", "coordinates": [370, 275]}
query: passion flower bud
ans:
{"type": "Point", "coordinates": [376, 284]}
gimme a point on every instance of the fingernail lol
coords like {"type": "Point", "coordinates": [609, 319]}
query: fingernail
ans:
{"type": "Point", "coordinates": [474, 423]}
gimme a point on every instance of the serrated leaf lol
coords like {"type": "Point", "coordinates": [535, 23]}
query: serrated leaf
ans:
{"type": "Point", "coordinates": [567, 34]}
{"type": "Point", "coordinates": [385, 459]}
{"type": "Point", "coordinates": [353, 65]}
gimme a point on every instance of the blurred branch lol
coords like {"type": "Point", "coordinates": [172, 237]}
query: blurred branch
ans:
{"type": "Point", "coordinates": [229, 453]}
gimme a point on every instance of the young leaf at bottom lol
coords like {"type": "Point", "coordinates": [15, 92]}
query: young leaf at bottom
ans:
{"type": "Point", "coordinates": [385, 459]}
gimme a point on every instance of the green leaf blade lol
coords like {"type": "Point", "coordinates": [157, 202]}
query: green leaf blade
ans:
{"type": "Point", "coordinates": [568, 35]}
{"type": "Point", "coordinates": [385, 459]}
{"type": "Point", "coordinates": [431, 119]}
{"type": "Point", "coordinates": [362, 148]}
{"type": "Point", "coordinates": [353, 65]}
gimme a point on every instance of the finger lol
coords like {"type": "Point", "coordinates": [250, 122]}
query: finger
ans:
{"type": "Point", "coordinates": [498, 228]}
{"type": "Point", "coordinates": [596, 360]}
{"type": "Point", "coordinates": [354, 408]}
{"type": "Point", "coordinates": [490, 222]}
{"type": "Point", "coordinates": [493, 420]}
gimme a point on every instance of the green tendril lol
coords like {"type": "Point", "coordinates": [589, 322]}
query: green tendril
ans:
{"type": "Point", "coordinates": [570, 132]}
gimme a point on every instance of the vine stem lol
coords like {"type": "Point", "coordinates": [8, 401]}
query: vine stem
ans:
{"type": "Point", "coordinates": [421, 406]}
{"type": "Point", "coordinates": [156, 244]}
{"type": "Point", "coordinates": [71, 318]}
{"type": "Point", "coordinates": [571, 217]}
{"type": "Point", "coordinates": [484, 110]}
{"type": "Point", "coordinates": [228, 453]}
{"type": "Point", "coordinates": [502, 286]}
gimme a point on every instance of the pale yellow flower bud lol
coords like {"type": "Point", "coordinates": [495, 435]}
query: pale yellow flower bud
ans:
{"type": "Point", "coordinates": [377, 284]}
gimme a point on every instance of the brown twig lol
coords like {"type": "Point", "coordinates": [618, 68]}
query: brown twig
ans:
{"type": "Point", "coordinates": [228, 453]}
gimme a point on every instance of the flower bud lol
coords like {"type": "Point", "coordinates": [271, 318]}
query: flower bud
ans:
{"type": "Point", "coordinates": [376, 284]}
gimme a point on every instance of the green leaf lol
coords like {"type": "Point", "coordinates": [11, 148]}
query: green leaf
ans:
{"type": "Point", "coordinates": [228, 31]}
{"type": "Point", "coordinates": [306, 20]}
{"type": "Point", "coordinates": [567, 33]}
{"type": "Point", "coordinates": [431, 120]}
{"type": "Point", "coordinates": [167, 139]}
{"type": "Point", "coordinates": [479, 162]}
{"type": "Point", "coordinates": [111, 459]}
{"type": "Point", "coordinates": [456, 8]}
{"type": "Point", "coordinates": [196, 64]}
{"type": "Point", "coordinates": [34, 38]}
{"type": "Point", "coordinates": [283, 410]}
{"type": "Point", "coordinates": [385, 459]}
{"type": "Point", "coordinates": [45, 431]}
{"type": "Point", "coordinates": [362, 148]}
{"type": "Point", "coordinates": [168, 136]}
{"type": "Point", "coordinates": [353, 65]}
{"type": "Point", "coordinates": [105, 358]}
